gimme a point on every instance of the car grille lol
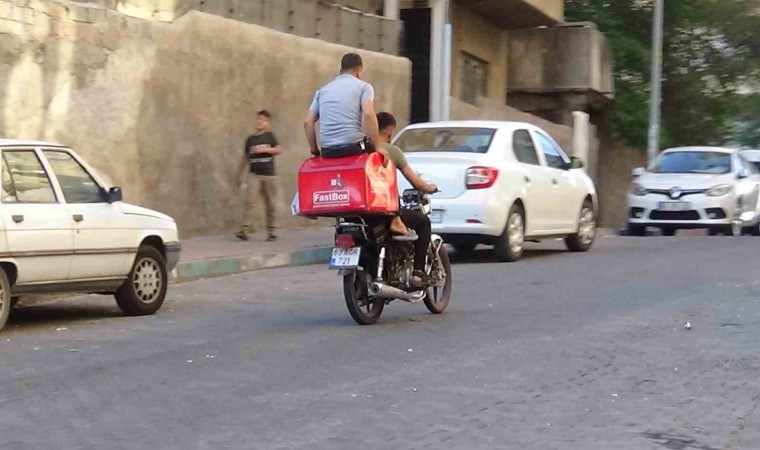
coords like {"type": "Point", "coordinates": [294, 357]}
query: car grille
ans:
{"type": "Point", "coordinates": [674, 215]}
{"type": "Point", "coordinates": [684, 193]}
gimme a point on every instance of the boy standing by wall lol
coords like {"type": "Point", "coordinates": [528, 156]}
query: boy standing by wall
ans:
{"type": "Point", "coordinates": [258, 157]}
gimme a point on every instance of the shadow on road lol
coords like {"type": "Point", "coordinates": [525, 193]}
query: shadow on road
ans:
{"type": "Point", "coordinates": [486, 255]}
{"type": "Point", "coordinates": [60, 313]}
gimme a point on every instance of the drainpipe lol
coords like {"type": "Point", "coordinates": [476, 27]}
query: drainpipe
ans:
{"type": "Point", "coordinates": [440, 61]}
{"type": "Point", "coordinates": [390, 9]}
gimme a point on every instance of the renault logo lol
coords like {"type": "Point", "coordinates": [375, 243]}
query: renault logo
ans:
{"type": "Point", "coordinates": [676, 193]}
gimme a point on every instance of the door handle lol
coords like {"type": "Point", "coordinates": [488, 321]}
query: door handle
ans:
{"type": "Point", "coordinates": [527, 179]}
{"type": "Point", "coordinates": [554, 181]}
{"type": "Point", "coordinates": [78, 217]}
{"type": "Point", "coordinates": [18, 218]}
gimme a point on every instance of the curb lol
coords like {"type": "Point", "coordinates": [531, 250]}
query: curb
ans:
{"type": "Point", "coordinates": [212, 268]}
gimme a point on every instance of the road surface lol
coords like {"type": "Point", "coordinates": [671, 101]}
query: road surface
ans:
{"type": "Point", "coordinates": [558, 351]}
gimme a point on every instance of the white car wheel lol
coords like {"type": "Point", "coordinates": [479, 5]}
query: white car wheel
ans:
{"type": "Point", "coordinates": [5, 298]}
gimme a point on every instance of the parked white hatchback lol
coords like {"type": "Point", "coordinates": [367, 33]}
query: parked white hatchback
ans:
{"type": "Point", "coordinates": [501, 183]}
{"type": "Point", "coordinates": [64, 230]}
{"type": "Point", "coordinates": [695, 187]}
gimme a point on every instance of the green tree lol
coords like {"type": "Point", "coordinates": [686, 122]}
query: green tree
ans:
{"type": "Point", "coordinates": [711, 55]}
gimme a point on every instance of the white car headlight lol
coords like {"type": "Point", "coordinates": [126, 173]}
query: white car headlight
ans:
{"type": "Point", "coordinates": [637, 189]}
{"type": "Point", "coordinates": [720, 190]}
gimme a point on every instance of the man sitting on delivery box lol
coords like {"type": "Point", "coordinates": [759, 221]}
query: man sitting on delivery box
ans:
{"type": "Point", "coordinates": [345, 109]}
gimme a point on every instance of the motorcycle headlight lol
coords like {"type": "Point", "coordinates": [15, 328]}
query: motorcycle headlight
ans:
{"type": "Point", "coordinates": [637, 189]}
{"type": "Point", "coordinates": [720, 190]}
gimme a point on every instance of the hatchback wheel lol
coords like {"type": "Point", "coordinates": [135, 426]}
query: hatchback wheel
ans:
{"type": "Point", "coordinates": [5, 298]}
{"type": "Point", "coordinates": [509, 246]}
{"type": "Point", "coordinates": [144, 291]}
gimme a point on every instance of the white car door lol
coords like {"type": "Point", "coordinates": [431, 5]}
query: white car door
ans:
{"type": "Point", "coordinates": [103, 245]}
{"type": "Point", "coordinates": [748, 187]}
{"type": "Point", "coordinates": [535, 179]}
{"type": "Point", "coordinates": [567, 191]}
{"type": "Point", "coordinates": [37, 223]}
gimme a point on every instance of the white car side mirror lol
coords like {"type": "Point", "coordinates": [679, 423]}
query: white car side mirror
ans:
{"type": "Point", "coordinates": [639, 171]}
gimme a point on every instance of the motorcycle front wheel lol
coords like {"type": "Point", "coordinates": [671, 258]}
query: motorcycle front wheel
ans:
{"type": "Point", "coordinates": [363, 309]}
{"type": "Point", "coordinates": [437, 297]}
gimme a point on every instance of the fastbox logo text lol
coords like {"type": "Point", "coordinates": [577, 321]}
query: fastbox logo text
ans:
{"type": "Point", "coordinates": [326, 199]}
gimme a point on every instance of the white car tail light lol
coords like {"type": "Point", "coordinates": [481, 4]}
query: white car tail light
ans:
{"type": "Point", "coordinates": [481, 177]}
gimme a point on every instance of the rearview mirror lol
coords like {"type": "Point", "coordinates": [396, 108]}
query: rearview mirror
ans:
{"type": "Point", "coordinates": [744, 173]}
{"type": "Point", "coordinates": [639, 171]}
{"type": "Point", "coordinates": [576, 163]}
{"type": "Point", "coordinates": [114, 195]}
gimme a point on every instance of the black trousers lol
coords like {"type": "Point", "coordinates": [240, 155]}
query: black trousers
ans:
{"type": "Point", "coordinates": [420, 223]}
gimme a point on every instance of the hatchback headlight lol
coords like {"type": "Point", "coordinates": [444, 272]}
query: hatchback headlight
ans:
{"type": "Point", "coordinates": [720, 190]}
{"type": "Point", "coordinates": [637, 189]}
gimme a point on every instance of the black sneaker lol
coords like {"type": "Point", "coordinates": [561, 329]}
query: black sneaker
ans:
{"type": "Point", "coordinates": [271, 238]}
{"type": "Point", "coordinates": [242, 235]}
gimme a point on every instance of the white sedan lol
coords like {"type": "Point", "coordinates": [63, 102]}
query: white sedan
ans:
{"type": "Point", "coordinates": [695, 187]}
{"type": "Point", "coordinates": [64, 230]}
{"type": "Point", "coordinates": [501, 183]}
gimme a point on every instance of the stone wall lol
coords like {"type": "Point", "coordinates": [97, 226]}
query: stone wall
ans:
{"type": "Point", "coordinates": [616, 166]}
{"type": "Point", "coordinates": [164, 107]}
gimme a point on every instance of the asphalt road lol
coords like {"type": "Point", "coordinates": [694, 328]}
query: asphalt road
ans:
{"type": "Point", "coordinates": [558, 351]}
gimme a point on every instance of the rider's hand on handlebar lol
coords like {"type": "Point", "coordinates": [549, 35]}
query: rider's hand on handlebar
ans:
{"type": "Point", "coordinates": [431, 188]}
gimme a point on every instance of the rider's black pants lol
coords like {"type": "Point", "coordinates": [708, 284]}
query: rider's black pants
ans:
{"type": "Point", "coordinates": [420, 223]}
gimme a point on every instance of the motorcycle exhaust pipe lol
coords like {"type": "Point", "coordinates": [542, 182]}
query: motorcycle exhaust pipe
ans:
{"type": "Point", "coordinates": [382, 290]}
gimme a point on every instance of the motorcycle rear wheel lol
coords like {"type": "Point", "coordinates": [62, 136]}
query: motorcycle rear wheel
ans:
{"type": "Point", "coordinates": [437, 298]}
{"type": "Point", "coordinates": [363, 310]}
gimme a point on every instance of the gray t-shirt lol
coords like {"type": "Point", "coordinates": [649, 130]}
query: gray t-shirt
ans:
{"type": "Point", "coordinates": [339, 106]}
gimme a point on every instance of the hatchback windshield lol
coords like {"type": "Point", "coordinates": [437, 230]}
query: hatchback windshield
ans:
{"type": "Point", "coordinates": [464, 140]}
{"type": "Point", "coordinates": [693, 162]}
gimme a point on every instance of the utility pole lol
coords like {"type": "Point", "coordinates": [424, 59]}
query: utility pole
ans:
{"type": "Point", "coordinates": [655, 99]}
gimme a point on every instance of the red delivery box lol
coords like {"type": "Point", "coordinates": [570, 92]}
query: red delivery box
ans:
{"type": "Point", "coordinates": [352, 185]}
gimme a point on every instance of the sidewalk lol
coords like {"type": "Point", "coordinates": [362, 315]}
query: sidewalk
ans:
{"type": "Point", "coordinates": [215, 256]}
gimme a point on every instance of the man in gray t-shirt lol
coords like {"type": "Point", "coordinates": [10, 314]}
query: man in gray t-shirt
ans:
{"type": "Point", "coordinates": [345, 109]}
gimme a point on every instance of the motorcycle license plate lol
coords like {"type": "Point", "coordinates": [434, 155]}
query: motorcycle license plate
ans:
{"type": "Point", "coordinates": [674, 206]}
{"type": "Point", "coordinates": [345, 258]}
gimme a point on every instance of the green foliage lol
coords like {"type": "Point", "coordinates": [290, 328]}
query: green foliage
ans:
{"type": "Point", "coordinates": [711, 59]}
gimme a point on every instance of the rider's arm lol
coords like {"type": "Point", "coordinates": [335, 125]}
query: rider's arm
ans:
{"type": "Point", "coordinates": [415, 180]}
{"type": "Point", "coordinates": [369, 119]}
{"type": "Point", "coordinates": [310, 128]}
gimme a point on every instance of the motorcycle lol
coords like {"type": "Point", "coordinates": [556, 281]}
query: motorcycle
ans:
{"type": "Point", "coordinates": [377, 267]}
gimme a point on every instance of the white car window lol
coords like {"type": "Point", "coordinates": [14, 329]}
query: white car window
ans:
{"type": "Point", "coordinates": [24, 179]}
{"type": "Point", "coordinates": [753, 168]}
{"type": "Point", "coordinates": [555, 158]}
{"type": "Point", "coordinates": [525, 151]}
{"type": "Point", "coordinates": [77, 185]}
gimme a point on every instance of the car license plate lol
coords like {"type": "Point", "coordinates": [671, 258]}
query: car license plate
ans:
{"type": "Point", "coordinates": [345, 258]}
{"type": "Point", "coordinates": [675, 206]}
{"type": "Point", "coordinates": [436, 216]}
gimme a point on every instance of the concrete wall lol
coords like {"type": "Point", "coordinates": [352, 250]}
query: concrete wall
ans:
{"type": "Point", "coordinates": [616, 164]}
{"type": "Point", "coordinates": [329, 21]}
{"type": "Point", "coordinates": [476, 35]}
{"type": "Point", "coordinates": [569, 57]}
{"type": "Point", "coordinates": [164, 108]}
